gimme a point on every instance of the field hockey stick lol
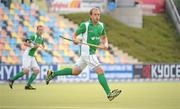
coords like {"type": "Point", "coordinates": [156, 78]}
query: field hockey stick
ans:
{"type": "Point", "coordinates": [44, 48]}
{"type": "Point", "coordinates": [32, 42]}
{"type": "Point", "coordinates": [92, 45]}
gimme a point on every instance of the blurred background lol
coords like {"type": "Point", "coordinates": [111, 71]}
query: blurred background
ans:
{"type": "Point", "coordinates": [143, 59]}
{"type": "Point", "coordinates": [143, 36]}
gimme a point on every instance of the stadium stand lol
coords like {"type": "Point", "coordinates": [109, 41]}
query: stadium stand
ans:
{"type": "Point", "coordinates": [20, 21]}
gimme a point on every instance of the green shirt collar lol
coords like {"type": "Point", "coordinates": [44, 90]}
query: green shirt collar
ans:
{"type": "Point", "coordinates": [90, 22]}
{"type": "Point", "coordinates": [38, 35]}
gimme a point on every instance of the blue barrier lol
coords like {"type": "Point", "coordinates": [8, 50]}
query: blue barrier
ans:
{"type": "Point", "coordinates": [112, 72]}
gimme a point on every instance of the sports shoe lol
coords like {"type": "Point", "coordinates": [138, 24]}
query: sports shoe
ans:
{"type": "Point", "coordinates": [29, 87]}
{"type": "Point", "coordinates": [49, 76]}
{"type": "Point", "coordinates": [113, 94]}
{"type": "Point", "coordinates": [11, 83]}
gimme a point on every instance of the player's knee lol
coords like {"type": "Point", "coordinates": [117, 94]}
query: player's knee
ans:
{"type": "Point", "coordinates": [99, 70]}
{"type": "Point", "coordinates": [36, 70]}
{"type": "Point", "coordinates": [76, 71]}
{"type": "Point", "coordinates": [26, 71]}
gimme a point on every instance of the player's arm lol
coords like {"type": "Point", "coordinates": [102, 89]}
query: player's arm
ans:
{"type": "Point", "coordinates": [35, 45]}
{"type": "Point", "coordinates": [42, 45]}
{"type": "Point", "coordinates": [81, 29]}
{"type": "Point", "coordinates": [76, 39]}
{"type": "Point", "coordinates": [27, 42]}
{"type": "Point", "coordinates": [104, 42]}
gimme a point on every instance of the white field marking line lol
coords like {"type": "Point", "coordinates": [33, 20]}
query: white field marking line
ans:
{"type": "Point", "coordinates": [56, 107]}
{"type": "Point", "coordinates": [38, 107]}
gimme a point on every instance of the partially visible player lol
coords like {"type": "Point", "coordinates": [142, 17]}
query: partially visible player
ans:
{"type": "Point", "coordinates": [94, 33]}
{"type": "Point", "coordinates": [29, 61]}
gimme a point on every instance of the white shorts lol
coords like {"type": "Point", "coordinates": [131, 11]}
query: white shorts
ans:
{"type": "Point", "coordinates": [90, 60]}
{"type": "Point", "coordinates": [29, 62]}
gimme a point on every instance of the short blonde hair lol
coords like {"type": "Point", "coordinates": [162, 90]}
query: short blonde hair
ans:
{"type": "Point", "coordinates": [39, 26]}
{"type": "Point", "coordinates": [91, 11]}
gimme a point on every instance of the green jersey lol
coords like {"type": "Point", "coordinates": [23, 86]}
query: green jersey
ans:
{"type": "Point", "coordinates": [35, 39]}
{"type": "Point", "coordinates": [90, 34]}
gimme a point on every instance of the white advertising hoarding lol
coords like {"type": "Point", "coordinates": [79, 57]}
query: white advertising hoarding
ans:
{"type": "Point", "coordinates": [71, 6]}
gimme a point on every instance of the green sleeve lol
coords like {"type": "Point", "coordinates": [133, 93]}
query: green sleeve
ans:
{"type": "Point", "coordinates": [103, 31]}
{"type": "Point", "coordinates": [32, 38]}
{"type": "Point", "coordinates": [81, 29]}
{"type": "Point", "coordinates": [43, 42]}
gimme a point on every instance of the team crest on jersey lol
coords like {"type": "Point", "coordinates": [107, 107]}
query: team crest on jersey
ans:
{"type": "Point", "coordinates": [95, 38]}
{"type": "Point", "coordinates": [90, 30]}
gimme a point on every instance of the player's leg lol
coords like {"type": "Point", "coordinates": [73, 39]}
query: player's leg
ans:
{"type": "Point", "coordinates": [25, 66]}
{"type": "Point", "coordinates": [31, 79]}
{"type": "Point", "coordinates": [17, 76]}
{"type": "Point", "coordinates": [94, 64]}
{"type": "Point", "coordinates": [76, 70]}
{"type": "Point", "coordinates": [66, 71]}
{"type": "Point", "coordinates": [113, 94]}
{"type": "Point", "coordinates": [102, 80]}
{"type": "Point", "coordinates": [35, 70]}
